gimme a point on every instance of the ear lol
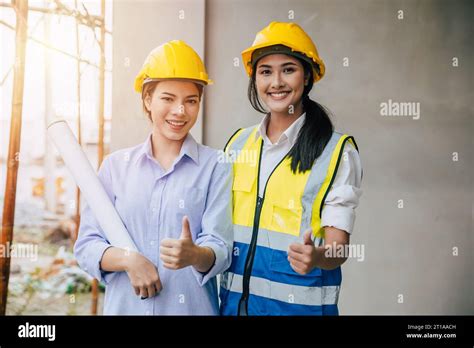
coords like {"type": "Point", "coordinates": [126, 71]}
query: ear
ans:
{"type": "Point", "coordinates": [147, 101]}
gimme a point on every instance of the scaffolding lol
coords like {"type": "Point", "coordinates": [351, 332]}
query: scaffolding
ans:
{"type": "Point", "coordinates": [84, 18]}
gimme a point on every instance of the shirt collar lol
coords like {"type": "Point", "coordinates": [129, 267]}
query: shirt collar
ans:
{"type": "Point", "coordinates": [291, 133]}
{"type": "Point", "coordinates": [189, 148]}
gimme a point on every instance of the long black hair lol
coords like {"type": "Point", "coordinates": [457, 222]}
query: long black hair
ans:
{"type": "Point", "coordinates": [316, 130]}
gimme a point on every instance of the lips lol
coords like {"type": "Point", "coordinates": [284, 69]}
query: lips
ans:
{"type": "Point", "coordinates": [279, 95]}
{"type": "Point", "coordinates": [176, 125]}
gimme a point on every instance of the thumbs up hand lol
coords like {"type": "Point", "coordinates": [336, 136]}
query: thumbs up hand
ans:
{"type": "Point", "coordinates": [179, 253]}
{"type": "Point", "coordinates": [302, 257]}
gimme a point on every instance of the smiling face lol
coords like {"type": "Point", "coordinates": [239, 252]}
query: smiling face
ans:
{"type": "Point", "coordinates": [173, 107]}
{"type": "Point", "coordinates": [280, 81]}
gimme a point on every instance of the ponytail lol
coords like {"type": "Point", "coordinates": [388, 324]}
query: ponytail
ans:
{"type": "Point", "coordinates": [312, 138]}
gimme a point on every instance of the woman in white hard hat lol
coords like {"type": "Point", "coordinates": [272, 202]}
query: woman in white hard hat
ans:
{"type": "Point", "coordinates": [294, 199]}
{"type": "Point", "coordinates": [173, 197]}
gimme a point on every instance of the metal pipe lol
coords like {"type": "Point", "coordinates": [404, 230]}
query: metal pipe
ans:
{"type": "Point", "coordinates": [8, 218]}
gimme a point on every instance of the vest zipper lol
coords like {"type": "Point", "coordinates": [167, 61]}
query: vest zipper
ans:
{"type": "Point", "coordinates": [243, 303]}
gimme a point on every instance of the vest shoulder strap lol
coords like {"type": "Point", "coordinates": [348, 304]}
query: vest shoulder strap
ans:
{"type": "Point", "coordinates": [333, 167]}
{"type": "Point", "coordinates": [238, 138]}
{"type": "Point", "coordinates": [353, 142]}
{"type": "Point", "coordinates": [232, 139]}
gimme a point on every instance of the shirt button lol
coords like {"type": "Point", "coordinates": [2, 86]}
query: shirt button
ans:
{"type": "Point", "coordinates": [152, 242]}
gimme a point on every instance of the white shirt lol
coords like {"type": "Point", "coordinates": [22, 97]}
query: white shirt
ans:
{"type": "Point", "coordinates": [342, 199]}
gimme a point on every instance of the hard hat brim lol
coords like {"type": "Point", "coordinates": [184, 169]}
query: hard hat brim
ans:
{"type": "Point", "coordinates": [247, 58]}
{"type": "Point", "coordinates": [182, 79]}
{"type": "Point", "coordinates": [148, 80]}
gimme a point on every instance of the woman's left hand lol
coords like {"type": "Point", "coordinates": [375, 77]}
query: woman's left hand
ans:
{"type": "Point", "coordinates": [302, 257]}
{"type": "Point", "coordinates": [179, 253]}
{"type": "Point", "coordinates": [182, 252]}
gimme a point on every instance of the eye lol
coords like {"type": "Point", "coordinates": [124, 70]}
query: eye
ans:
{"type": "Point", "coordinates": [265, 72]}
{"type": "Point", "coordinates": [192, 101]}
{"type": "Point", "coordinates": [168, 99]}
{"type": "Point", "coordinates": [288, 70]}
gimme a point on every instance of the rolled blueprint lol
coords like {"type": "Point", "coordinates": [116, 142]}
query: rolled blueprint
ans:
{"type": "Point", "coordinates": [89, 184]}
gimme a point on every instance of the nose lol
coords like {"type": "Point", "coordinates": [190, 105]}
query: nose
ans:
{"type": "Point", "coordinates": [277, 81]}
{"type": "Point", "coordinates": [178, 110]}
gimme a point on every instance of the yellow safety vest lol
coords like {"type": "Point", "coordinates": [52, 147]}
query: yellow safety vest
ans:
{"type": "Point", "coordinates": [260, 280]}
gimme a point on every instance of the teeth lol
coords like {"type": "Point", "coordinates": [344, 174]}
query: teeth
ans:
{"type": "Point", "coordinates": [176, 123]}
{"type": "Point", "coordinates": [281, 94]}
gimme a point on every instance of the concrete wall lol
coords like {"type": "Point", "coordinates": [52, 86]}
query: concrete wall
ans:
{"type": "Point", "coordinates": [408, 251]}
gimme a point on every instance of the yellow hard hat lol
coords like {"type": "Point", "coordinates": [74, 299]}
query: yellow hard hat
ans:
{"type": "Point", "coordinates": [172, 60]}
{"type": "Point", "coordinates": [291, 35]}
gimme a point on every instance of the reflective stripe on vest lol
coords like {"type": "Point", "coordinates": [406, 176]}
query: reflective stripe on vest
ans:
{"type": "Point", "coordinates": [265, 227]}
{"type": "Point", "coordinates": [302, 295]}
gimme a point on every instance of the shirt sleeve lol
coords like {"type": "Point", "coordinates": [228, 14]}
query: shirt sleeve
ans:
{"type": "Point", "coordinates": [91, 242]}
{"type": "Point", "coordinates": [217, 230]}
{"type": "Point", "coordinates": [343, 197]}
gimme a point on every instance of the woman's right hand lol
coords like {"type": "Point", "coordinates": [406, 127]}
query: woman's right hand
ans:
{"type": "Point", "coordinates": [143, 275]}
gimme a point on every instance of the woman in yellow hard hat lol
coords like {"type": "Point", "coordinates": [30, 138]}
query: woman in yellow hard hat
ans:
{"type": "Point", "coordinates": [173, 196]}
{"type": "Point", "coordinates": [295, 188]}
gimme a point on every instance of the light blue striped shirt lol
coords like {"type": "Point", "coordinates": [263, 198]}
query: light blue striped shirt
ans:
{"type": "Point", "coordinates": [152, 203]}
